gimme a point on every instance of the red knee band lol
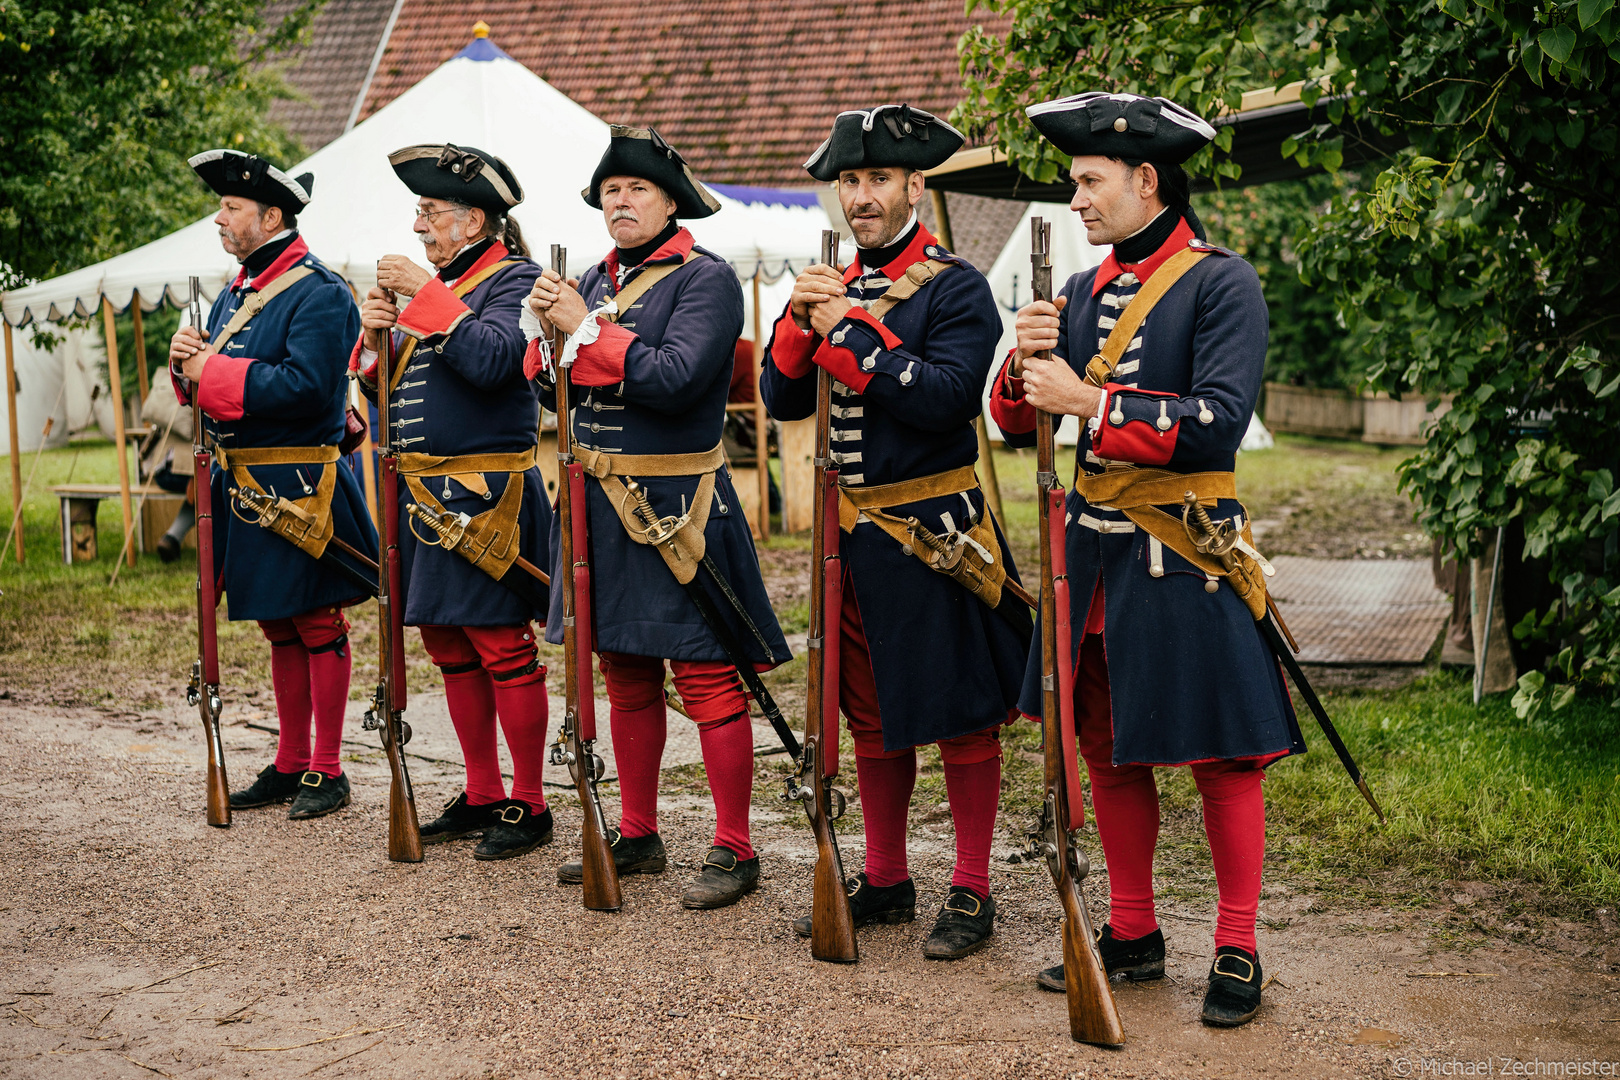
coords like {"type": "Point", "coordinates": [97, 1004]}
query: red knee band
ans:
{"type": "Point", "coordinates": [503, 648]}
{"type": "Point", "coordinates": [321, 627]}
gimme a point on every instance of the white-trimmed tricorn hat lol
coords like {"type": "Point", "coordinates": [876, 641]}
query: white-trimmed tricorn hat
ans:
{"type": "Point", "coordinates": [1121, 126]}
{"type": "Point", "coordinates": [248, 176]}
{"type": "Point", "coordinates": [889, 136]}
{"type": "Point", "coordinates": [460, 174]}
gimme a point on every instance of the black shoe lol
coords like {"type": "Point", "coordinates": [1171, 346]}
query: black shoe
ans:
{"type": "Point", "coordinates": [868, 904]}
{"type": "Point", "coordinates": [724, 880]}
{"type": "Point", "coordinates": [1138, 960]}
{"type": "Point", "coordinates": [1233, 996]}
{"type": "Point", "coordinates": [319, 795]}
{"type": "Point", "coordinates": [168, 548]}
{"type": "Point", "coordinates": [273, 786]}
{"type": "Point", "coordinates": [631, 855]}
{"type": "Point", "coordinates": [516, 830]}
{"type": "Point", "coordinates": [460, 818]}
{"type": "Point", "coordinates": [964, 925]}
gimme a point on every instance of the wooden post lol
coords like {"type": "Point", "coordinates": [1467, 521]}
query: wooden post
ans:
{"type": "Point", "coordinates": [987, 463]}
{"type": "Point", "coordinates": [16, 443]}
{"type": "Point", "coordinates": [140, 346]}
{"type": "Point", "coordinates": [116, 385]}
{"type": "Point", "coordinates": [762, 457]}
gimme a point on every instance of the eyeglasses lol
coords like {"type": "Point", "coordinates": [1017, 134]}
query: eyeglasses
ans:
{"type": "Point", "coordinates": [429, 215]}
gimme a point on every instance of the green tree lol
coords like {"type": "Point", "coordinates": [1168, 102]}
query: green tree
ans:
{"type": "Point", "coordinates": [1476, 264]}
{"type": "Point", "coordinates": [102, 101]}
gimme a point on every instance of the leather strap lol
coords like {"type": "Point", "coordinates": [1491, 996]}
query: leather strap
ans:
{"type": "Point", "coordinates": [602, 466]}
{"type": "Point", "coordinates": [434, 465]}
{"type": "Point", "coordinates": [461, 289]}
{"type": "Point", "coordinates": [1101, 368]}
{"type": "Point", "coordinates": [247, 456]}
{"type": "Point", "coordinates": [917, 275]}
{"type": "Point", "coordinates": [257, 301]}
{"type": "Point", "coordinates": [910, 491]}
{"type": "Point", "coordinates": [626, 297]}
{"type": "Point", "coordinates": [683, 549]}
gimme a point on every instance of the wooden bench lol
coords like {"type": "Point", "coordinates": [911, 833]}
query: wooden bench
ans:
{"type": "Point", "coordinates": [79, 503]}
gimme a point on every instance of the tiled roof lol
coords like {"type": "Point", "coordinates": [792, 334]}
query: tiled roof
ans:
{"type": "Point", "coordinates": [745, 90]}
{"type": "Point", "coordinates": [331, 69]}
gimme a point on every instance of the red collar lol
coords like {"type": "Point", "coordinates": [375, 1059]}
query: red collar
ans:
{"type": "Point", "coordinates": [1111, 267]}
{"type": "Point", "coordinates": [915, 252]}
{"type": "Point", "coordinates": [492, 255]}
{"type": "Point", "coordinates": [676, 249]}
{"type": "Point", "coordinates": [285, 261]}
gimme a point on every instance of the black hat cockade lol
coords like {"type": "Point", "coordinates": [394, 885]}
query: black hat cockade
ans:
{"type": "Point", "coordinates": [248, 176]}
{"type": "Point", "coordinates": [458, 174]}
{"type": "Point", "coordinates": [1121, 126]}
{"type": "Point", "coordinates": [643, 152]}
{"type": "Point", "coordinates": [888, 136]}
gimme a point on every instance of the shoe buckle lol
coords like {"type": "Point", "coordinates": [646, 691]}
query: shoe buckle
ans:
{"type": "Point", "coordinates": [978, 905]}
{"type": "Point", "coordinates": [1231, 974]}
{"type": "Point", "coordinates": [320, 778]}
{"type": "Point", "coordinates": [708, 860]}
{"type": "Point", "coordinates": [506, 817]}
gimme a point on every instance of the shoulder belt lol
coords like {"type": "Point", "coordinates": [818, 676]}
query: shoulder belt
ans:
{"type": "Point", "coordinates": [627, 297]}
{"type": "Point", "coordinates": [917, 275]}
{"type": "Point", "coordinates": [1101, 368]}
{"type": "Point", "coordinates": [461, 290]}
{"type": "Point", "coordinates": [256, 303]}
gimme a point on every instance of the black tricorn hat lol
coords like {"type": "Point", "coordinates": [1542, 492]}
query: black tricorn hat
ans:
{"type": "Point", "coordinates": [248, 176]}
{"type": "Point", "coordinates": [643, 152]}
{"type": "Point", "coordinates": [887, 136]}
{"type": "Point", "coordinates": [462, 174]}
{"type": "Point", "coordinates": [1121, 126]}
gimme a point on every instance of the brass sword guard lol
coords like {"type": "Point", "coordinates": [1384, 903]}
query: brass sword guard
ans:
{"type": "Point", "coordinates": [658, 530]}
{"type": "Point", "coordinates": [449, 528]}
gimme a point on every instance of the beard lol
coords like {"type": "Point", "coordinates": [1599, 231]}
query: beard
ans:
{"type": "Point", "coordinates": [244, 242]}
{"type": "Point", "coordinates": [893, 220]}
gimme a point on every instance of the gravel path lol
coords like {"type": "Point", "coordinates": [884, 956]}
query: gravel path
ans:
{"type": "Point", "coordinates": [135, 941]}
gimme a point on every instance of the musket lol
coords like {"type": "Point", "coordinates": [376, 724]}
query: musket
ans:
{"type": "Point", "coordinates": [832, 928]}
{"type": "Point", "coordinates": [1222, 541]}
{"type": "Point", "coordinates": [576, 742]}
{"type": "Point", "coordinates": [388, 705]}
{"type": "Point", "coordinates": [1093, 1016]}
{"type": "Point", "coordinates": [663, 530]}
{"type": "Point", "coordinates": [268, 508]}
{"type": "Point", "coordinates": [203, 691]}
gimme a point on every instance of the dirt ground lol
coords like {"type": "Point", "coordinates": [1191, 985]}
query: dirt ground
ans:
{"type": "Point", "coordinates": [135, 941]}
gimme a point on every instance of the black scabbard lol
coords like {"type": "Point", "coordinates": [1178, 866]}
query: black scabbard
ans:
{"type": "Point", "coordinates": [737, 657]}
{"type": "Point", "coordinates": [1274, 638]}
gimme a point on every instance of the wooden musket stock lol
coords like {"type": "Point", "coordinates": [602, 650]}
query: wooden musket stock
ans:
{"type": "Point", "coordinates": [1093, 1016]}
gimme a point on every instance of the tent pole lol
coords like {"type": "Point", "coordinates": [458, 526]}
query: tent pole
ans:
{"type": "Point", "coordinates": [140, 345]}
{"type": "Point", "coordinates": [762, 456]}
{"type": "Point", "coordinates": [16, 451]}
{"type": "Point", "coordinates": [115, 378]}
{"type": "Point", "coordinates": [987, 462]}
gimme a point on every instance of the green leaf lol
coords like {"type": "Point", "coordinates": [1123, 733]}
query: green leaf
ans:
{"type": "Point", "coordinates": [1611, 505]}
{"type": "Point", "coordinates": [1563, 696]}
{"type": "Point", "coordinates": [1614, 384]}
{"type": "Point", "coordinates": [1593, 10]}
{"type": "Point", "coordinates": [1557, 42]}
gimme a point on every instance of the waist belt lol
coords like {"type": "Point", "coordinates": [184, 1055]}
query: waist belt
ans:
{"type": "Point", "coordinates": [967, 557]}
{"type": "Point", "coordinates": [305, 523]}
{"type": "Point", "coordinates": [1139, 493]}
{"type": "Point", "coordinates": [680, 541]}
{"type": "Point", "coordinates": [490, 540]}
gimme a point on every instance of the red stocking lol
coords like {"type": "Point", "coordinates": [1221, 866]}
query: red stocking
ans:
{"type": "Point", "coordinates": [1235, 822]}
{"type": "Point", "coordinates": [728, 759]}
{"type": "Point", "coordinates": [638, 748]}
{"type": "Point", "coordinates": [329, 693]}
{"type": "Point", "coordinates": [522, 706]}
{"type": "Point", "coordinates": [974, 791]}
{"type": "Point", "coordinates": [470, 696]}
{"type": "Point", "coordinates": [886, 785]}
{"type": "Point", "coordinates": [289, 675]}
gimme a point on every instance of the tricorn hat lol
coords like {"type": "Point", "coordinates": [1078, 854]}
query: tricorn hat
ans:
{"type": "Point", "coordinates": [248, 176]}
{"type": "Point", "coordinates": [889, 135]}
{"type": "Point", "coordinates": [1121, 126]}
{"type": "Point", "coordinates": [643, 152]}
{"type": "Point", "coordinates": [462, 174]}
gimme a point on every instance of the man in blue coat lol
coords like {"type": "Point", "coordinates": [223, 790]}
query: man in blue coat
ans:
{"type": "Point", "coordinates": [465, 423]}
{"type": "Point", "coordinates": [655, 324]}
{"type": "Point", "coordinates": [1170, 667]}
{"type": "Point", "coordinates": [270, 379]}
{"type": "Point", "coordinates": [908, 332]}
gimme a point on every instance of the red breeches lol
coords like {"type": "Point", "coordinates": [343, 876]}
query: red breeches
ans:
{"type": "Point", "coordinates": [888, 777]}
{"type": "Point", "coordinates": [712, 695]}
{"type": "Point", "coordinates": [490, 673]}
{"type": "Point", "coordinates": [1125, 799]}
{"type": "Point", "coordinates": [309, 672]}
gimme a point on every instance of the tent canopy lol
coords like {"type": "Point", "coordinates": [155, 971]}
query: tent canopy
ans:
{"type": "Point", "coordinates": [483, 98]}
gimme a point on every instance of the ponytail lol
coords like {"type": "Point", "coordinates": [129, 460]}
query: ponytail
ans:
{"type": "Point", "coordinates": [1175, 188]}
{"type": "Point", "coordinates": [512, 236]}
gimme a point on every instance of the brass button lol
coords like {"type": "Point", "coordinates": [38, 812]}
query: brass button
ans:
{"type": "Point", "coordinates": [1120, 124]}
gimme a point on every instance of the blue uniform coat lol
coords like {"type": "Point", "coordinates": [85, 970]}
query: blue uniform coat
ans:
{"type": "Point", "coordinates": [905, 405]}
{"type": "Point", "coordinates": [280, 381]}
{"type": "Point", "coordinates": [656, 383]}
{"type": "Point", "coordinates": [1190, 677]}
{"type": "Point", "coordinates": [463, 392]}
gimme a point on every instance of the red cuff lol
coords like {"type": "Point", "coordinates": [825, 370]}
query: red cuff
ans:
{"type": "Point", "coordinates": [370, 374]}
{"type": "Point", "coordinates": [532, 360]}
{"type": "Point", "coordinates": [891, 340]}
{"type": "Point", "coordinates": [601, 363]}
{"type": "Point", "coordinates": [793, 350]}
{"type": "Point", "coordinates": [223, 385]}
{"type": "Point", "coordinates": [1137, 441]}
{"type": "Point", "coordinates": [1008, 408]}
{"type": "Point", "coordinates": [434, 310]}
{"type": "Point", "coordinates": [843, 365]}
